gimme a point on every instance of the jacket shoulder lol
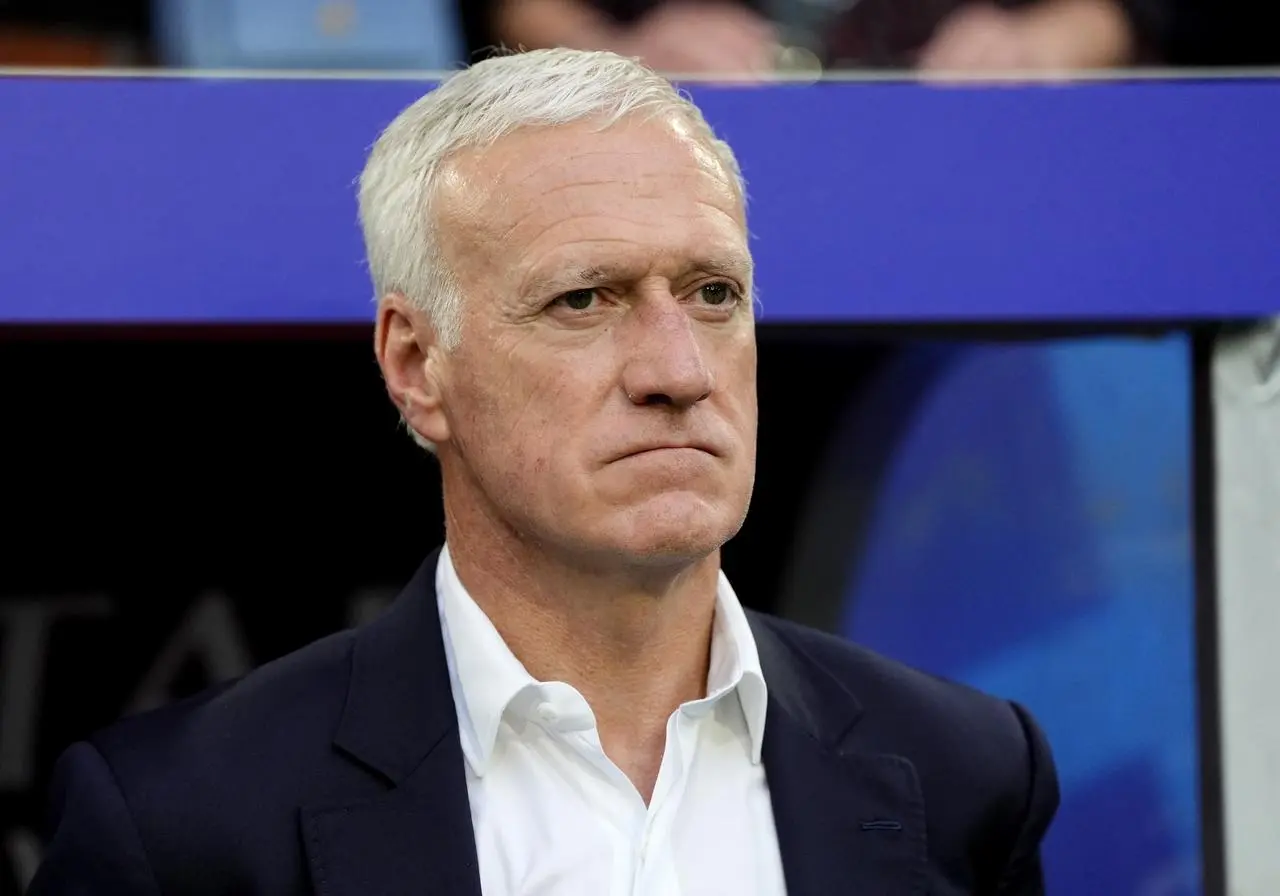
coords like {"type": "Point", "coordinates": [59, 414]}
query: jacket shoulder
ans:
{"type": "Point", "coordinates": [306, 687]}
{"type": "Point", "coordinates": [201, 796]}
{"type": "Point", "coordinates": [880, 683]}
{"type": "Point", "coordinates": [235, 760]}
{"type": "Point", "coordinates": [960, 739]}
{"type": "Point", "coordinates": [984, 767]}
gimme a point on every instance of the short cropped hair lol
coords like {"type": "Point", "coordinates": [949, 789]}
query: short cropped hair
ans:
{"type": "Point", "coordinates": [472, 109]}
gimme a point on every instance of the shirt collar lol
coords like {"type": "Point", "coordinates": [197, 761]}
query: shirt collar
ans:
{"type": "Point", "coordinates": [486, 677]}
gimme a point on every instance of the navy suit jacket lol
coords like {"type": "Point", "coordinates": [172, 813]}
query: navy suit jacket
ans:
{"type": "Point", "coordinates": [338, 771]}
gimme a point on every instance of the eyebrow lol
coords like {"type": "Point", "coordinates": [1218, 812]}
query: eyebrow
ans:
{"type": "Point", "coordinates": [734, 268]}
{"type": "Point", "coordinates": [594, 275]}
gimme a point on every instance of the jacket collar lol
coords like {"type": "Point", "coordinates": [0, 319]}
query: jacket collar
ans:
{"type": "Point", "coordinates": [399, 706]}
{"type": "Point", "coordinates": [801, 689]}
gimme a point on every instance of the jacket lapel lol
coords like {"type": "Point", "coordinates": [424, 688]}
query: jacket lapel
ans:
{"type": "Point", "coordinates": [848, 820]}
{"type": "Point", "coordinates": [399, 722]}
{"type": "Point", "coordinates": [395, 845]}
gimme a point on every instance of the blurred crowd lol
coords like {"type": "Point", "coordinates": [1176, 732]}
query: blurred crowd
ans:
{"type": "Point", "coordinates": [722, 37]}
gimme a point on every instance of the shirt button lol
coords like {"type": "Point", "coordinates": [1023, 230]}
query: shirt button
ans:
{"type": "Point", "coordinates": [697, 711]}
{"type": "Point", "coordinates": [547, 712]}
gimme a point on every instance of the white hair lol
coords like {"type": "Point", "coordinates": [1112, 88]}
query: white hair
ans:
{"type": "Point", "coordinates": [472, 109]}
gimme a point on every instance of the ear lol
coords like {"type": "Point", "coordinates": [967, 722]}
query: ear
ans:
{"type": "Point", "coordinates": [410, 356]}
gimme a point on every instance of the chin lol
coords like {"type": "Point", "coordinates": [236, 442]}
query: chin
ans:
{"type": "Point", "coordinates": [675, 528]}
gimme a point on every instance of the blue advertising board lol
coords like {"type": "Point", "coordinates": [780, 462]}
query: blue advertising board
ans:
{"type": "Point", "coordinates": [225, 199]}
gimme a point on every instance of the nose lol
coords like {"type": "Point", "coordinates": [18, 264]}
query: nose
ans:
{"type": "Point", "coordinates": [665, 363]}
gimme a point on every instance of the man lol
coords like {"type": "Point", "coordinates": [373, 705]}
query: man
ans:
{"type": "Point", "coordinates": [567, 699]}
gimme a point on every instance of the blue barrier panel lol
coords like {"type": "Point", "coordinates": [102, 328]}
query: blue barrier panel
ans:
{"type": "Point", "coordinates": [190, 200]}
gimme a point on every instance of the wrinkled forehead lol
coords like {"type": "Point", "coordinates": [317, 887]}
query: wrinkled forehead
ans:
{"type": "Point", "coordinates": [530, 177]}
{"type": "Point", "coordinates": [636, 198]}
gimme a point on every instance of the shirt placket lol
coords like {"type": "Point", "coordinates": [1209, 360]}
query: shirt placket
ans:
{"type": "Point", "coordinates": [657, 874]}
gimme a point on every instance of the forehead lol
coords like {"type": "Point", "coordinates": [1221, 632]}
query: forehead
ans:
{"type": "Point", "coordinates": [638, 186]}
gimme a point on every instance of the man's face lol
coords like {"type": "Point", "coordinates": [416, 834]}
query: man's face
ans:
{"type": "Point", "coordinates": [602, 399]}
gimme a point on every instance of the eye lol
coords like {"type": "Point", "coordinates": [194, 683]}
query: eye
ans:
{"type": "Point", "coordinates": [577, 300]}
{"type": "Point", "coordinates": [718, 293]}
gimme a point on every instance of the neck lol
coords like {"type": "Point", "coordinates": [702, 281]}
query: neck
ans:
{"type": "Point", "coordinates": [603, 630]}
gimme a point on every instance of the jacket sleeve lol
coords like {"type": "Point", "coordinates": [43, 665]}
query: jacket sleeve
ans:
{"type": "Point", "coordinates": [1022, 874]}
{"type": "Point", "coordinates": [95, 848]}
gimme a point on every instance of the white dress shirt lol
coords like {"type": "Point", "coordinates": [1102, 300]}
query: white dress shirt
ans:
{"type": "Point", "coordinates": [553, 816]}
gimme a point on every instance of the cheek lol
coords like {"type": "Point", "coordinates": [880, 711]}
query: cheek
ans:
{"type": "Point", "coordinates": [739, 373]}
{"type": "Point", "coordinates": [524, 416]}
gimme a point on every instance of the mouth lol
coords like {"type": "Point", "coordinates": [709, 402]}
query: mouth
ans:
{"type": "Point", "coordinates": [655, 447]}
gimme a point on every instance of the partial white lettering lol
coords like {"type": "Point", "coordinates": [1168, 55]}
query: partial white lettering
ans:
{"type": "Point", "coordinates": [210, 634]}
{"type": "Point", "coordinates": [27, 625]}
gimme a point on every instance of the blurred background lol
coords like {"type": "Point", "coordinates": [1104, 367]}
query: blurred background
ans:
{"type": "Point", "coordinates": [684, 36]}
{"type": "Point", "coordinates": [1026, 508]}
